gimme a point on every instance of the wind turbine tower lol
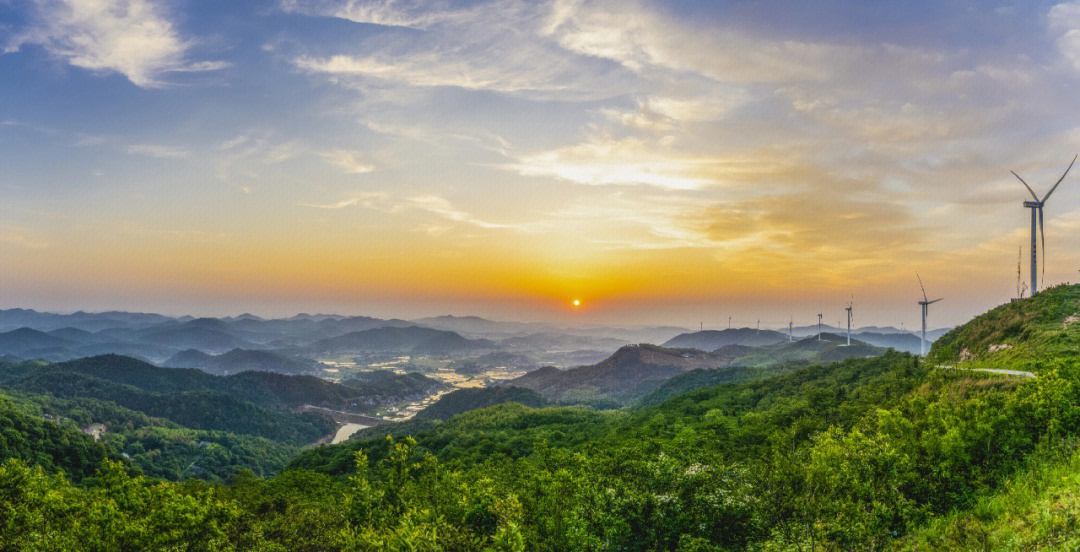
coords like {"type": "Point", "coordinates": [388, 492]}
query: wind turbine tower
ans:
{"type": "Point", "coordinates": [1037, 212]}
{"type": "Point", "coordinates": [848, 309]}
{"type": "Point", "coordinates": [926, 302]}
{"type": "Point", "coordinates": [789, 325]}
{"type": "Point", "coordinates": [819, 326]}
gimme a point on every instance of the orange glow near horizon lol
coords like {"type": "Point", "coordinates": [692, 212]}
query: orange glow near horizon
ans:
{"type": "Point", "coordinates": [602, 163]}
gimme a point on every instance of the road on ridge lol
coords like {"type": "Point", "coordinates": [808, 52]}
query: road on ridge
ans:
{"type": "Point", "coordinates": [1017, 373]}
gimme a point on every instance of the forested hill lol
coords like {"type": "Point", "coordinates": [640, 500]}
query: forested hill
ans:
{"type": "Point", "coordinates": [177, 423]}
{"type": "Point", "coordinates": [629, 373]}
{"type": "Point", "coordinates": [634, 371]}
{"type": "Point", "coordinates": [882, 453]}
{"type": "Point", "coordinates": [243, 360]}
{"type": "Point", "coordinates": [710, 340]}
{"type": "Point", "coordinates": [464, 400]}
{"type": "Point", "coordinates": [1027, 334]}
{"type": "Point", "coordinates": [264, 389]}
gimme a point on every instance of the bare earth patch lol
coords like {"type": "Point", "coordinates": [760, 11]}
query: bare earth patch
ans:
{"type": "Point", "coordinates": [966, 354]}
{"type": "Point", "coordinates": [1000, 347]}
{"type": "Point", "coordinates": [1072, 319]}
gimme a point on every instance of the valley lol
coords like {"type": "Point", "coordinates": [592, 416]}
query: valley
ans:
{"type": "Point", "coordinates": [788, 412]}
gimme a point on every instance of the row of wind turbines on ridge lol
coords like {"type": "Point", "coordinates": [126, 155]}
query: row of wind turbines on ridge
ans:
{"type": "Point", "coordinates": [1036, 207]}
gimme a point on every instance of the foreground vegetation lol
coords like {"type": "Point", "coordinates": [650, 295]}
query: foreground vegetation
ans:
{"type": "Point", "coordinates": [885, 453]}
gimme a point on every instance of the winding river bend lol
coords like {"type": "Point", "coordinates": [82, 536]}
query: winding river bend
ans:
{"type": "Point", "coordinates": [346, 431]}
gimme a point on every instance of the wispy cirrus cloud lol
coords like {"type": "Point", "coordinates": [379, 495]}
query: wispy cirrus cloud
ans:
{"type": "Point", "coordinates": [158, 151]}
{"type": "Point", "coordinates": [364, 199]}
{"type": "Point", "coordinates": [349, 161]}
{"type": "Point", "coordinates": [428, 203]}
{"type": "Point", "coordinates": [390, 13]}
{"type": "Point", "coordinates": [19, 236]}
{"type": "Point", "coordinates": [604, 160]}
{"type": "Point", "coordinates": [135, 38]}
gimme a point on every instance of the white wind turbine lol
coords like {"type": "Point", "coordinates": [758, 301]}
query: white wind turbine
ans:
{"type": "Point", "coordinates": [1037, 212]}
{"type": "Point", "coordinates": [926, 302]}
{"type": "Point", "coordinates": [848, 309]}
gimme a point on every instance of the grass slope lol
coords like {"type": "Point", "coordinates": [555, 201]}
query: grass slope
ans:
{"type": "Point", "coordinates": [1020, 335]}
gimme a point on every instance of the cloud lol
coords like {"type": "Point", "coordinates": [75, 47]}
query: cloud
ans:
{"type": "Point", "coordinates": [158, 151]}
{"type": "Point", "coordinates": [349, 161]}
{"type": "Point", "coordinates": [440, 206]}
{"type": "Point", "coordinates": [247, 154]}
{"type": "Point", "coordinates": [604, 160]}
{"type": "Point", "coordinates": [491, 46]}
{"type": "Point", "coordinates": [365, 199]}
{"type": "Point", "coordinates": [19, 237]}
{"type": "Point", "coordinates": [388, 13]}
{"type": "Point", "coordinates": [1064, 20]}
{"type": "Point", "coordinates": [132, 37]}
{"type": "Point", "coordinates": [425, 202]}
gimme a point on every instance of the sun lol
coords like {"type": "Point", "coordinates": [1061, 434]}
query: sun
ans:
{"type": "Point", "coordinates": [576, 303]}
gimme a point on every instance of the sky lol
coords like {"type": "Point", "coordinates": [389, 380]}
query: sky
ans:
{"type": "Point", "coordinates": [661, 163]}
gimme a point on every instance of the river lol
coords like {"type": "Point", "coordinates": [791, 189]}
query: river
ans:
{"type": "Point", "coordinates": [346, 431]}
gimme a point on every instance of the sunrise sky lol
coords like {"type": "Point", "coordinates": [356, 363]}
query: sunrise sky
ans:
{"type": "Point", "coordinates": [660, 163]}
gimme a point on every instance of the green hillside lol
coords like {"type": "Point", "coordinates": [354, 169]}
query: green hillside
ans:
{"type": "Point", "coordinates": [880, 453]}
{"type": "Point", "coordinates": [1025, 334]}
{"type": "Point", "coordinates": [463, 400]}
{"type": "Point", "coordinates": [830, 348]}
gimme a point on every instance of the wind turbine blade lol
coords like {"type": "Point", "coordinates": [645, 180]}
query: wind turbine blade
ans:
{"type": "Point", "coordinates": [1026, 185]}
{"type": "Point", "coordinates": [1043, 236]}
{"type": "Point", "coordinates": [1060, 179]}
{"type": "Point", "coordinates": [934, 301]}
{"type": "Point", "coordinates": [924, 298]}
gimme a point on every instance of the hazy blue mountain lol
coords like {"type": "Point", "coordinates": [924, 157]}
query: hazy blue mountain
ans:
{"type": "Point", "coordinates": [811, 350]}
{"type": "Point", "coordinates": [45, 321]}
{"type": "Point", "coordinates": [30, 343]}
{"type": "Point", "coordinates": [241, 360]}
{"type": "Point", "coordinates": [710, 340]}
{"type": "Point", "coordinates": [394, 339]}
{"type": "Point", "coordinates": [629, 373]}
{"type": "Point", "coordinates": [637, 334]}
{"type": "Point", "coordinates": [461, 324]}
{"type": "Point", "coordinates": [906, 342]}
{"type": "Point", "coordinates": [194, 335]}
{"type": "Point", "coordinates": [75, 335]}
{"type": "Point", "coordinates": [558, 341]}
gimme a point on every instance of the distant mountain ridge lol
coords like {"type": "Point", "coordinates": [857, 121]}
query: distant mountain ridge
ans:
{"type": "Point", "coordinates": [242, 360]}
{"type": "Point", "coordinates": [711, 340]}
{"type": "Point", "coordinates": [631, 371]}
{"type": "Point", "coordinates": [636, 370]}
{"type": "Point", "coordinates": [393, 339]}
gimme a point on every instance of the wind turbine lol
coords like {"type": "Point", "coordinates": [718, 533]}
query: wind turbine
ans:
{"type": "Point", "coordinates": [789, 325]}
{"type": "Point", "coordinates": [819, 326]}
{"type": "Point", "coordinates": [1037, 210]}
{"type": "Point", "coordinates": [848, 309]}
{"type": "Point", "coordinates": [926, 302]}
